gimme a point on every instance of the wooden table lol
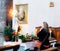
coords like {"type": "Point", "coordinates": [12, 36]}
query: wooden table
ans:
{"type": "Point", "coordinates": [15, 47]}
{"type": "Point", "coordinates": [51, 49]}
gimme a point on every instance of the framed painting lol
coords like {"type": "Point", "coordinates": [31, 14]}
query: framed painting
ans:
{"type": "Point", "coordinates": [51, 4]}
{"type": "Point", "coordinates": [22, 13]}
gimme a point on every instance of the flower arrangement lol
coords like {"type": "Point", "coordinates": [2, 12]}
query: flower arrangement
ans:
{"type": "Point", "coordinates": [8, 33]}
{"type": "Point", "coordinates": [15, 36]}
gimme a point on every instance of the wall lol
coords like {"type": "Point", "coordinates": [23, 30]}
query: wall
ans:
{"type": "Point", "coordinates": [39, 11]}
{"type": "Point", "coordinates": [2, 14]}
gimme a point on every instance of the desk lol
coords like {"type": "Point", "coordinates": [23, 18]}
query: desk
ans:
{"type": "Point", "coordinates": [7, 47]}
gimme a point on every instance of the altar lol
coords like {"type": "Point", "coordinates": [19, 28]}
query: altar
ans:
{"type": "Point", "coordinates": [23, 46]}
{"type": "Point", "coordinates": [27, 45]}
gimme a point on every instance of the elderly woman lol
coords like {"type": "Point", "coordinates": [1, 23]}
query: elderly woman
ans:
{"type": "Point", "coordinates": [43, 37]}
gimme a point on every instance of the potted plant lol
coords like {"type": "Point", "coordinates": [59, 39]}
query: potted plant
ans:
{"type": "Point", "coordinates": [22, 37]}
{"type": "Point", "coordinates": [8, 33]}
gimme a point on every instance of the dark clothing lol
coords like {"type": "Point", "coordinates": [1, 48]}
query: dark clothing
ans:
{"type": "Point", "coordinates": [41, 35]}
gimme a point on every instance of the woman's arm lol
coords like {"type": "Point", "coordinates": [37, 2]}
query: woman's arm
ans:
{"type": "Point", "coordinates": [38, 44]}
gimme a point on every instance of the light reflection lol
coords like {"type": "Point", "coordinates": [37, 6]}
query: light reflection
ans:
{"type": "Point", "coordinates": [10, 13]}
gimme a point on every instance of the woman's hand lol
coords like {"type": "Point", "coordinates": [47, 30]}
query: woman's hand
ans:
{"type": "Point", "coordinates": [38, 44]}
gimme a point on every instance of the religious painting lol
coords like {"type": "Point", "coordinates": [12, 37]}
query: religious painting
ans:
{"type": "Point", "coordinates": [22, 13]}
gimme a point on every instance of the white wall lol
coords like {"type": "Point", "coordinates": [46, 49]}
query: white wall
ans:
{"type": "Point", "coordinates": [39, 11]}
{"type": "Point", "coordinates": [2, 14]}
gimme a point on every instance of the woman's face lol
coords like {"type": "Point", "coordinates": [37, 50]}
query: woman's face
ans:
{"type": "Point", "coordinates": [22, 15]}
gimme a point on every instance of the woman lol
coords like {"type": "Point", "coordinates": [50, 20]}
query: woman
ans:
{"type": "Point", "coordinates": [43, 37]}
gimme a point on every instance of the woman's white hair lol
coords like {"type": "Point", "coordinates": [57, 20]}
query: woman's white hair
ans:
{"type": "Point", "coordinates": [45, 26]}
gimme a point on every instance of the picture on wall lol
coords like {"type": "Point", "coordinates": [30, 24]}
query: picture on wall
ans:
{"type": "Point", "coordinates": [51, 4]}
{"type": "Point", "coordinates": [22, 13]}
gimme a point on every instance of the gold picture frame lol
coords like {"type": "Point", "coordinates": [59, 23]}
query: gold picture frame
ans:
{"type": "Point", "coordinates": [22, 13]}
{"type": "Point", "coordinates": [51, 4]}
